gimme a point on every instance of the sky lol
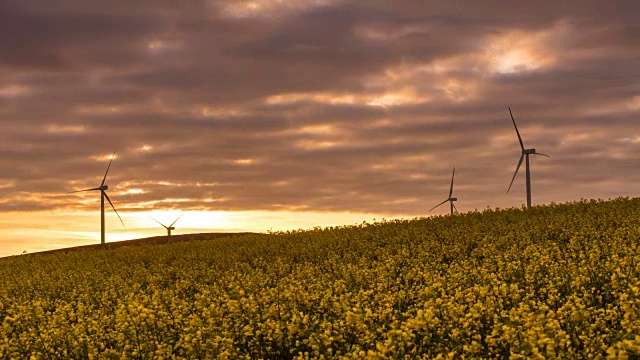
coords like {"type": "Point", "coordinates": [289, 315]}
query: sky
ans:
{"type": "Point", "coordinates": [274, 115]}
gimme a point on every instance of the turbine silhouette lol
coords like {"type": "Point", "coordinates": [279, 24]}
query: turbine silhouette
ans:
{"type": "Point", "coordinates": [169, 228]}
{"type": "Point", "coordinates": [103, 194]}
{"type": "Point", "coordinates": [525, 153]}
{"type": "Point", "coordinates": [449, 199]}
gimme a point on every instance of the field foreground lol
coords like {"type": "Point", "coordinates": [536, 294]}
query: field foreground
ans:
{"type": "Point", "coordinates": [553, 281]}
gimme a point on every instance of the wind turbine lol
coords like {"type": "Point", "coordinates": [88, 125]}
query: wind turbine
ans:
{"type": "Point", "coordinates": [169, 228]}
{"type": "Point", "coordinates": [103, 194]}
{"type": "Point", "coordinates": [525, 153]}
{"type": "Point", "coordinates": [450, 199]}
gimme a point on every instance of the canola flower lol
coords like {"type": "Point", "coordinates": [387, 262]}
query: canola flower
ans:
{"type": "Point", "coordinates": [555, 281]}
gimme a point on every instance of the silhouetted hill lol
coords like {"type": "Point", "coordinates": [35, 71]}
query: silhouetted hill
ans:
{"type": "Point", "coordinates": [144, 241]}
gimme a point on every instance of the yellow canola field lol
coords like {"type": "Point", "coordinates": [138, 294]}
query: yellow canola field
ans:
{"type": "Point", "coordinates": [556, 281]}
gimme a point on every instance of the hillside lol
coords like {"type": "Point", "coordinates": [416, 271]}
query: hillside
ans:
{"type": "Point", "coordinates": [152, 240]}
{"type": "Point", "coordinates": [556, 281]}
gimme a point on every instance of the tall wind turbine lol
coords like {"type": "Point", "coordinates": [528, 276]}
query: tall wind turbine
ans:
{"type": "Point", "coordinates": [103, 194]}
{"type": "Point", "coordinates": [450, 199]}
{"type": "Point", "coordinates": [169, 228]}
{"type": "Point", "coordinates": [525, 153]}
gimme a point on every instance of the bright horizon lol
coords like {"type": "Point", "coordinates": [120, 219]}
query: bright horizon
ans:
{"type": "Point", "coordinates": [267, 114]}
{"type": "Point", "coordinates": [19, 230]}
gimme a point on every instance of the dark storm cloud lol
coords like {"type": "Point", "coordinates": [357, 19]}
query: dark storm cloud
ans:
{"type": "Point", "coordinates": [330, 106]}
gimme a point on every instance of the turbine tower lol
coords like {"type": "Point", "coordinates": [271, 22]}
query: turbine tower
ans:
{"type": "Point", "coordinates": [103, 194]}
{"type": "Point", "coordinates": [450, 199]}
{"type": "Point", "coordinates": [169, 228]}
{"type": "Point", "coordinates": [525, 153]}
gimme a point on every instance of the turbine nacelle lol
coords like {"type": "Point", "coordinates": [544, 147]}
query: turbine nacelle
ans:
{"type": "Point", "coordinates": [529, 151]}
{"type": "Point", "coordinates": [452, 199]}
{"type": "Point", "coordinates": [104, 187]}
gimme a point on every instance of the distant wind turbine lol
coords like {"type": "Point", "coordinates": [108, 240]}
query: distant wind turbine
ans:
{"type": "Point", "coordinates": [525, 153]}
{"type": "Point", "coordinates": [103, 194]}
{"type": "Point", "coordinates": [450, 199]}
{"type": "Point", "coordinates": [169, 228]}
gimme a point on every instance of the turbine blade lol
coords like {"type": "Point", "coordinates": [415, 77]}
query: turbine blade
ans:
{"type": "Point", "coordinates": [438, 205]}
{"type": "Point", "coordinates": [515, 173]}
{"type": "Point", "coordinates": [452, 176]}
{"type": "Point", "coordinates": [113, 207]}
{"type": "Point", "coordinates": [176, 220]}
{"type": "Point", "coordinates": [517, 132]}
{"type": "Point", "coordinates": [454, 207]}
{"type": "Point", "coordinates": [92, 189]}
{"type": "Point", "coordinates": [105, 174]}
{"type": "Point", "coordinates": [537, 153]}
{"type": "Point", "coordinates": [163, 225]}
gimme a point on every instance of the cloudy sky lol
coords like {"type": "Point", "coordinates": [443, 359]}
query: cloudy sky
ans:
{"type": "Point", "coordinates": [251, 115]}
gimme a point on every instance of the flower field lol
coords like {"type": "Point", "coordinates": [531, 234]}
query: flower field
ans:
{"type": "Point", "coordinates": [556, 281]}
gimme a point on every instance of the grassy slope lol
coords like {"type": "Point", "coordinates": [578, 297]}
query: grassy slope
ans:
{"type": "Point", "coordinates": [553, 281]}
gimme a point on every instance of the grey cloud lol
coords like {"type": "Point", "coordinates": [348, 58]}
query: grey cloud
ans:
{"type": "Point", "coordinates": [51, 40]}
{"type": "Point", "coordinates": [92, 84]}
